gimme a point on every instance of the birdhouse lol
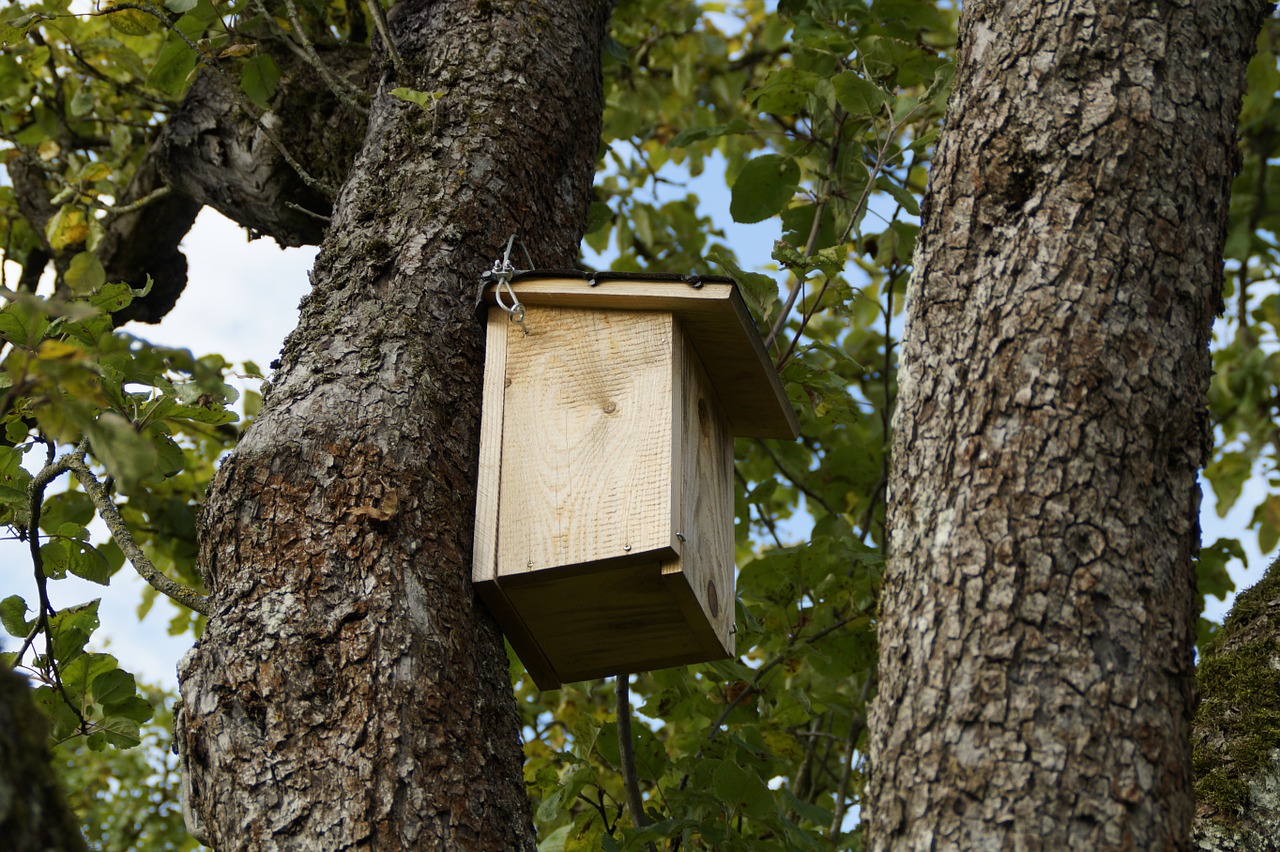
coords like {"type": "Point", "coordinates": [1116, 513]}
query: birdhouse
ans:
{"type": "Point", "coordinates": [604, 516]}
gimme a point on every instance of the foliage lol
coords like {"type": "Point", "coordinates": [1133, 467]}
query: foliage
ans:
{"type": "Point", "coordinates": [128, 800]}
{"type": "Point", "coordinates": [820, 114]}
{"type": "Point", "coordinates": [1244, 397]}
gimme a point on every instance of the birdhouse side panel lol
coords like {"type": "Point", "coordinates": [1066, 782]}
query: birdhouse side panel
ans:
{"type": "Point", "coordinates": [484, 552]}
{"type": "Point", "coordinates": [705, 490]}
{"type": "Point", "coordinates": [586, 453]}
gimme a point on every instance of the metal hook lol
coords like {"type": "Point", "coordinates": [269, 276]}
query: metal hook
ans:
{"type": "Point", "coordinates": [503, 271]}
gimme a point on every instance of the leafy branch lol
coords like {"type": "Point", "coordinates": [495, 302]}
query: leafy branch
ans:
{"type": "Point", "coordinates": [110, 515]}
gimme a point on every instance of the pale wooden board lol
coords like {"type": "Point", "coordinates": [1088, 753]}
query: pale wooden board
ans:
{"type": "Point", "coordinates": [586, 442]}
{"type": "Point", "coordinates": [519, 635]}
{"type": "Point", "coordinates": [705, 489]}
{"type": "Point", "coordinates": [485, 543]}
{"type": "Point", "coordinates": [613, 620]}
{"type": "Point", "coordinates": [720, 326]}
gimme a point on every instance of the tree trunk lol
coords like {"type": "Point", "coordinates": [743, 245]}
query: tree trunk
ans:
{"type": "Point", "coordinates": [349, 690]}
{"type": "Point", "coordinates": [1038, 610]}
{"type": "Point", "coordinates": [1236, 736]}
{"type": "Point", "coordinates": [34, 816]}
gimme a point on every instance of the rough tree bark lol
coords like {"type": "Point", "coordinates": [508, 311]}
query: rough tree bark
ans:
{"type": "Point", "coordinates": [349, 691]}
{"type": "Point", "coordinates": [34, 816]}
{"type": "Point", "coordinates": [1236, 734]}
{"type": "Point", "coordinates": [1038, 610]}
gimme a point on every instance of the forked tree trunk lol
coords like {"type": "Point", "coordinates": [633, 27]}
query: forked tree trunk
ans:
{"type": "Point", "coordinates": [1039, 606]}
{"type": "Point", "coordinates": [349, 691]}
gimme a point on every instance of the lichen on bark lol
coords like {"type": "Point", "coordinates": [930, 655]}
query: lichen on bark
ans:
{"type": "Point", "coordinates": [350, 691]}
{"type": "Point", "coordinates": [1038, 612]}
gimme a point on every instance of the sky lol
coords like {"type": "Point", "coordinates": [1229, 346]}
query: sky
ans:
{"type": "Point", "coordinates": [242, 299]}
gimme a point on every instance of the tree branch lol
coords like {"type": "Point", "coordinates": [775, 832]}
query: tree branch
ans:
{"type": "Point", "coordinates": [110, 515]}
{"type": "Point", "coordinates": [627, 752]}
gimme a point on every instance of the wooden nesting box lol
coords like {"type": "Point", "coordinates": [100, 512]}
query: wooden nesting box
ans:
{"type": "Point", "coordinates": [604, 516]}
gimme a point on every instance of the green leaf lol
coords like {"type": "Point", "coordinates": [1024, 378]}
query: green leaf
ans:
{"type": "Point", "coordinates": [690, 135]}
{"type": "Point", "coordinates": [786, 91]}
{"type": "Point", "coordinates": [426, 100]}
{"type": "Point", "coordinates": [85, 274]}
{"type": "Point", "coordinates": [180, 6]}
{"type": "Point", "coordinates": [901, 195]}
{"type": "Point", "coordinates": [84, 669]}
{"type": "Point", "coordinates": [13, 615]}
{"type": "Point", "coordinates": [22, 324]}
{"type": "Point", "coordinates": [67, 507]}
{"type": "Point", "coordinates": [80, 558]}
{"type": "Point", "coordinates": [63, 721]}
{"type": "Point", "coordinates": [112, 297]}
{"type": "Point", "coordinates": [1211, 568]}
{"type": "Point", "coordinates": [742, 789]}
{"type": "Point", "coordinates": [1267, 518]}
{"type": "Point", "coordinates": [651, 757]}
{"type": "Point", "coordinates": [113, 687]}
{"type": "Point", "coordinates": [758, 291]}
{"type": "Point", "coordinates": [598, 216]}
{"type": "Point", "coordinates": [121, 732]}
{"type": "Point", "coordinates": [133, 707]}
{"type": "Point", "coordinates": [258, 79]}
{"type": "Point", "coordinates": [1227, 475]}
{"type": "Point", "coordinates": [82, 102]}
{"type": "Point", "coordinates": [860, 97]}
{"type": "Point", "coordinates": [127, 456]}
{"type": "Point", "coordinates": [763, 187]}
{"type": "Point", "coordinates": [174, 66]}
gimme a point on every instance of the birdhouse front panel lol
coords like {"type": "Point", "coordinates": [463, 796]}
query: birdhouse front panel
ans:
{"type": "Point", "coordinates": [604, 509]}
{"type": "Point", "coordinates": [587, 444]}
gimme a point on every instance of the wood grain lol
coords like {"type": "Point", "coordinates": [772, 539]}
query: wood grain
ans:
{"type": "Point", "coordinates": [705, 492]}
{"type": "Point", "coordinates": [720, 326]}
{"type": "Point", "coordinates": [586, 443]}
{"type": "Point", "coordinates": [484, 552]}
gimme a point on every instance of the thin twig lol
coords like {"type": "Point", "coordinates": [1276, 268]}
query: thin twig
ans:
{"type": "Point", "coordinates": [794, 479]}
{"type": "Point", "coordinates": [313, 214]}
{"type": "Point", "coordinates": [857, 725]}
{"type": "Point", "coordinates": [110, 515]}
{"type": "Point", "coordinates": [342, 90]}
{"type": "Point", "coordinates": [627, 753]}
{"type": "Point", "coordinates": [138, 204]}
{"type": "Point", "coordinates": [380, 24]}
{"type": "Point", "coordinates": [35, 496]}
{"type": "Point", "coordinates": [811, 243]}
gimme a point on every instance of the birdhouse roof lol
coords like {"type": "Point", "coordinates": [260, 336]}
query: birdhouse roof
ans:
{"type": "Point", "coordinates": [715, 319]}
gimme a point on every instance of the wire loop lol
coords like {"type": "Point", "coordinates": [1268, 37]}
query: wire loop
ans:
{"type": "Point", "coordinates": [503, 272]}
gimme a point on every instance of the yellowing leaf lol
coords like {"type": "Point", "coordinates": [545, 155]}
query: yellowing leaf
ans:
{"type": "Point", "coordinates": [48, 149]}
{"type": "Point", "coordinates": [68, 227]}
{"type": "Point", "coordinates": [94, 172]}
{"type": "Point", "coordinates": [58, 350]}
{"type": "Point", "coordinates": [237, 50]}
{"type": "Point", "coordinates": [132, 21]}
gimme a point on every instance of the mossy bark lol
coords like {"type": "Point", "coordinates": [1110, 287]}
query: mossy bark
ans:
{"type": "Point", "coordinates": [350, 691]}
{"type": "Point", "coordinates": [1236, 733]}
